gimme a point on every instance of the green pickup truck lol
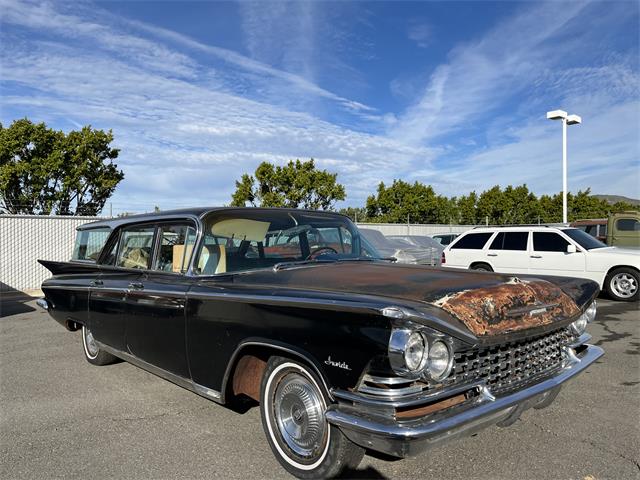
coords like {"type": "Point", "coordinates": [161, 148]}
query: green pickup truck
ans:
{"type": "Point", "coordinates": [620, 229]}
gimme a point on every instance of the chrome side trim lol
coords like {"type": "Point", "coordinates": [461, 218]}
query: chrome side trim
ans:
{"type": "Point", "coordinates": [172, 377]}
{"type": "Point", "coordinates": [207, 392]}
{"type": "Point", "coordinates": [408, 438]}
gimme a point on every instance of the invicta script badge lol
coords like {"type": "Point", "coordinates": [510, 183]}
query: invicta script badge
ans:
{"type": "Point", "coordinates": [333, 363]}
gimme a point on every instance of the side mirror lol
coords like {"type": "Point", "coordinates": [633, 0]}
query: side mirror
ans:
{"type": "Point", "coordinates": [571, 248]}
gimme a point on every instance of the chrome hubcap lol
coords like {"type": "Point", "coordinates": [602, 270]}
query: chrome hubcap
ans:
{"type": "Point", "coordinates": [299, 415]}
{"type": "Point", "coordinates": [92, 348]}
{"type": "Point", "coordinates": [624, 285]}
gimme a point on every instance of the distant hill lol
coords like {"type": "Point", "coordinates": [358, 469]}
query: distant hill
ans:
{"type": "Point", "coordinates": [611, 199]}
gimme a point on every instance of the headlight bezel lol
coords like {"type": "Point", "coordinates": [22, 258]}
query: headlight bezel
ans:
{"type": "Point", "coordinates": [398, 342]}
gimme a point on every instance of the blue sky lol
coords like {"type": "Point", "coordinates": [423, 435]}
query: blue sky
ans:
{"type": "Point", "coordinates": [448, 93]}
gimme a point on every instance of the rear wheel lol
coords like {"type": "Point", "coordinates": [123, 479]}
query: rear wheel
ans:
{"type": "Point", "coordinates": [92, 352]}
{"type": "Point", "coordinates": [623, 284]}
{"type": "Point", "coordinates": [481, 267]}
{"type": "Point", "coordinates": [293, 405]}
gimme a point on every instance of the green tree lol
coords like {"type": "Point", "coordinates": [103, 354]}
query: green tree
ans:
{"type": "Point", "coordinates": [467, 207]}
{"type": "Point", "coordinates": [623, 207]}
{"type": "Point", "coordinates": [295, 185]}
{"type": "Point", "coordinates": [355, 214]}
{"type": "Point", "coordinates": [402, 202]}
{"type": "Point", "coordinates": [44, 171]}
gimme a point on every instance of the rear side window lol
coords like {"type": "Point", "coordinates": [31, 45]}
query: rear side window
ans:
{"type": "Point", "coordinates": [136, 247]}
{"type": "Point", "coordinates": [472, 241]}
{"type": "Point", "coordinates": [628, 225]}
{"type": "Point", "coordinates": [510, 241]}
{"type": "Point", "coordinates": [89, 244]}
{"type": "Point", "coordinates": [549, 242]}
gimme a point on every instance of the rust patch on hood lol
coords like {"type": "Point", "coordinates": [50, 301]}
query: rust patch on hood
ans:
{"type": "Point", "coordinates": [509, 307]}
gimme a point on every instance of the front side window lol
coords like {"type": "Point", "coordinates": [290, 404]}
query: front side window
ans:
{"type": "Point", "coordinates": [472, 241]}
{"type": "Point", "coordinates": [89, 244]}
{"type": "Point", "coordinates": [136, 247]}
{"type": "Point", "coordinates": [247, 240]}
{"type": "Point", "coordinates": [551, 242]}
{"type": "Point", "coordinates": [628, 225]}
{"type": "Point", "coordinates": [585, 240]}
{"type": "Point", "coordinates": [176, 246]}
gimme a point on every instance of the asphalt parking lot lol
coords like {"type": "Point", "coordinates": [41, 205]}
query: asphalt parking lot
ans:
{"type": "Point", "coordinates": [64, 418]}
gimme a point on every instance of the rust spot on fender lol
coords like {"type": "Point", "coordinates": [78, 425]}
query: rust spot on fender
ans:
{"type": "Point", "coordinates": [247, 377]}
{"type": "Point", "coordinates": [509, 307]}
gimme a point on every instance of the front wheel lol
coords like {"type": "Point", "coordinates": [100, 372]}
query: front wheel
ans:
{"type": "Point", "coordinates": [293, 405]}
{"type": "Point", "coordinates": [92, 352]}
{"type": "Point", "coordinates": [622, 284]}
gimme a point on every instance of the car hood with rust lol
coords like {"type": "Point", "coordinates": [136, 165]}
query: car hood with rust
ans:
{"type": "Point", "coordinates": [486, 303]}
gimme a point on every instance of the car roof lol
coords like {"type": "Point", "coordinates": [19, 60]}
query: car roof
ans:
{"type": "Point", "coordinates": [113, 223]}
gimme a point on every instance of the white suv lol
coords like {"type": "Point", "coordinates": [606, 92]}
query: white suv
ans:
{"type": "Point", "coordinates": [546, 250]}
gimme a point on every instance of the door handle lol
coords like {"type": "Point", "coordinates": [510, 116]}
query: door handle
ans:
{"type": "Point", "coordinates": [536, 256]}
{"type": "Point", "coordinates": [136, 286]}
{"type": "Point", "coordinates": [96, 283]}
{"type": "Point", "coordinates": [492, 254]}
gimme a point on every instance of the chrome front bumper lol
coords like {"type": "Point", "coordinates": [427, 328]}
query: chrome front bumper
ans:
{"type": "Point", "coordinates": [408, 438]}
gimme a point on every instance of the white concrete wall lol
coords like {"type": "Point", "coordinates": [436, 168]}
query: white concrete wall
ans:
{"type": "Point", "coordinates": [25, 239]}
{"type": "Point", "coordinates": [415, 229]}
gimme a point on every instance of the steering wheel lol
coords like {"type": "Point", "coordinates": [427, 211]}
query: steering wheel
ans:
{"type": "Point", "coordinates": [316, 252]}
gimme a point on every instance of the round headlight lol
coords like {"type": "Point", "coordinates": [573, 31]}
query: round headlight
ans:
{"type": "Point", "coordinates": [590, 312]}
{"type": "Point", "coordinates": [580, 325]}
{"type": "Point", "coordinates": [415, 352]}
{"type": "Point", "coordinates": [439, 360]}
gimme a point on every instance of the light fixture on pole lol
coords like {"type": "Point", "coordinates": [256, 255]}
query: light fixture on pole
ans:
{"type": "Point", "coordinates": [566, 120]}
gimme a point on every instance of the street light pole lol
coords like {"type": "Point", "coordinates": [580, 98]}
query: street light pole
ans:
{"type": "Point", "coordinates": [566, 120]}
{"type": "Point", "coordinates": [564, 170]}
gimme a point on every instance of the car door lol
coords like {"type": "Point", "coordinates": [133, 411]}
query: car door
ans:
{"type": "Point", "coordinates": [549, 256]}
{"type": "Point", "coordinates": [108, 295]}
{"type": "Point", "coordinates": [155, 330]}
{"type": "Point", "coordinates": [507, 252]}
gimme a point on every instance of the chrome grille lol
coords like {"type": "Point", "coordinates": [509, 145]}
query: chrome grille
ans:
{"type": "Point", "coordinates": [508, 365]}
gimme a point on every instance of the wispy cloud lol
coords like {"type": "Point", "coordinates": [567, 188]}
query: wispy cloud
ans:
{"type": "Point", "coordinates": [184, 138]}
{"type": "Point", "coordinates": [421, 33]}
{"type": "Point", "coordinates": [191, 117]}
{"type": "Point", "coordinates": [539, 60]}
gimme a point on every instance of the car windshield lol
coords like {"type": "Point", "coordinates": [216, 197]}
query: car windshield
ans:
{"type": "Point", "coordinates": [240, 240]}
{"type": "Point", "coordinates": [585, 240]}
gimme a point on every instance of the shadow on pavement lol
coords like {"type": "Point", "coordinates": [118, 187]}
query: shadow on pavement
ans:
{"type": "Point", "coordinates": [14, 303]}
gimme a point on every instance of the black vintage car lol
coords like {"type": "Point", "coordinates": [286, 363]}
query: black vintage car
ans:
{"type": "Point", "coordinates": [344, 352]}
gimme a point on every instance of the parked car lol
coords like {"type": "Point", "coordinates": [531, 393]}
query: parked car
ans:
{"type": "Point", "coordinates": [428, 244]}
{"type": "Point", "coordinates": [401, 250]}
{"type": "Point", "coordinates": [445, 238]}
{"type": "Point", "coordinates": [621, 229]}
{"type": "Point", "coordinates": [546, 250]}
{"type": "Point", "coordinates": [342, 352]}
